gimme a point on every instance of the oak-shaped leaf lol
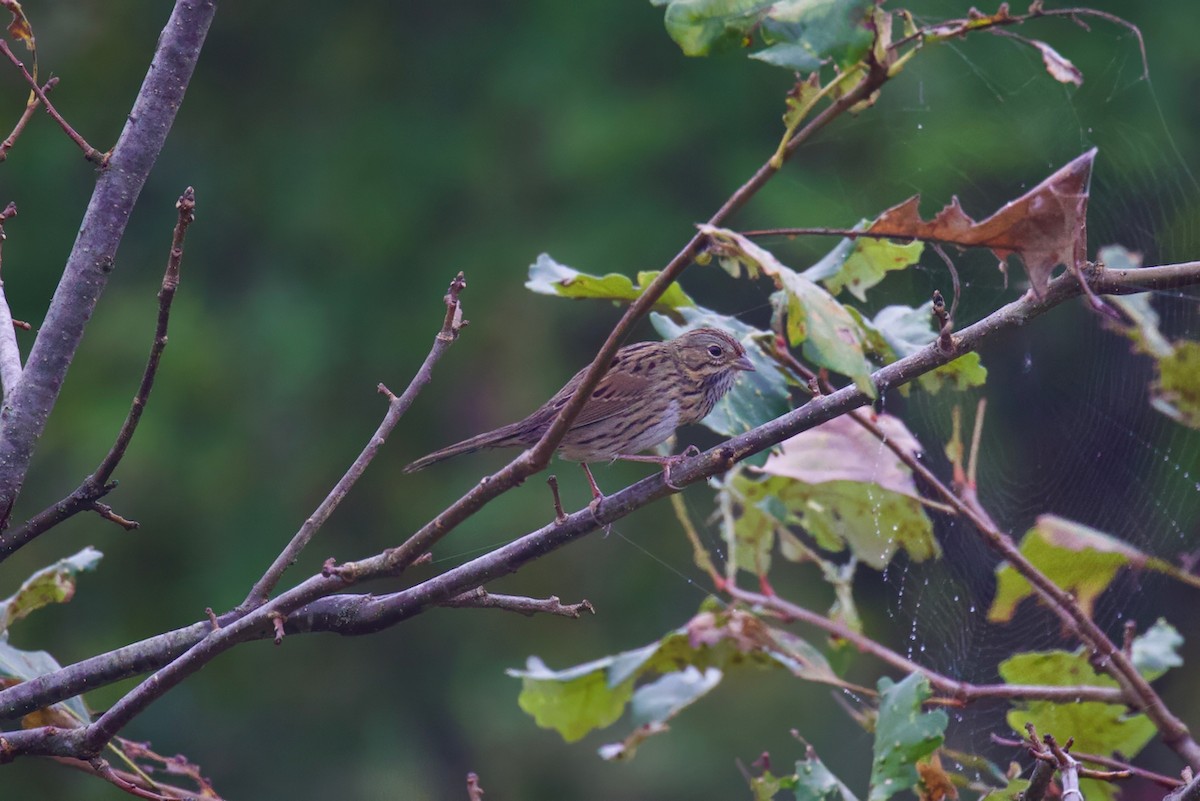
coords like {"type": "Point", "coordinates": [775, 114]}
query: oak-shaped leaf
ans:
{"type": "Point", "coordinates": [1098, 728]}
{"type": "Point", "coordinates": [1046, 226]}
{"type": "Point", "coordinates": [904, 734]}
{"type": "Point", "coordinates": [1078, 559]}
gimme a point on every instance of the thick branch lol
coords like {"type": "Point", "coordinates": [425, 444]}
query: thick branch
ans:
{"type": "Point", "coordinates": [537, 457]}
{"type": "Point", "coordinates": [352, 615]}
{"type": "Point", "coordinates": [97, 485]}
{"type": "Point", "coordinates": [94, 254]}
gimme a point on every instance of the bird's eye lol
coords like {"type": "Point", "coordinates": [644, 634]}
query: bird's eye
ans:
{"type": "Point", "coordinates": [715, 351]}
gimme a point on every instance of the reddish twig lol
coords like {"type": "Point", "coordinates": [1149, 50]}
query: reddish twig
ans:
{"type": "Point", "coordinates": [474, 790]}
{"type": "Point", "coordinates": [362, 614]}
{"type": "Point", "coordinates": [106, 511]}
{"type": "Point", "coordinates": [97, 485]}
{"type": "Point", "coordinates": [26, 116]}
{"type": "Point", "coordinates": [90, 153]}
{"type": "Point", "coordinates": [1107, 762]}
{"type": "Point", "coordinates": [93, 254]}
{"type": "Point", "coordinates": [397, 406]}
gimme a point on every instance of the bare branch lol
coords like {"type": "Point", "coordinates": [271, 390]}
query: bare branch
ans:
{"type": "Point", "coordinates": [97, 485]}
{"type": "Point", "coordinates": [93, 256]}
{"type": "Point", "coordinates": [30, 107]}
{"type": "Point", "coordinates": [479, 598]}
{"type": "Point", "coordinates": [362, 614]}
{"type": "Point", "coordinates": [90, 153]}
{"type": "Point", "coordinates": [474, 790]}
{"type": "Point", "coordinates": [397, 406]}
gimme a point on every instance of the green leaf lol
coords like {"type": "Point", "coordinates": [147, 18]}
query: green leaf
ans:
{"type": "Point", "coordinates": [1157, 650]}
{"type": "Point", "coordinates": [758, 396]}
{"type": "Point", "coordinates": [50, 585]}
{"type": "Point", "coordinates": [799, 34]}
{"type": "Point", "coordinates": [1098, 728]}
{"type": "Point", "coordinates": [815, 782]}
{"type": "Point", "coordinates": [549, 277]}
{"type": "Point", "coordinates": [17, 666]}
{"type": "Point", "coordinates": [1176, 391]}
{"type": "Point", "coordinates": [845, 487]}
{"type": "Point", "coordinates": [1077, 558]}
{"type": "Point", "coordinates": [907, 330]}
{"type": "Point", "coordinates": [903, 735]}
{"type": "Point", "coordinates": [829, 333]}
{"type": "Point", "coordinates": [674, 672]}
{"type": "Point", "coordinates": [866, 264]}
{"type": "Point", "coordinates": [574, 701]}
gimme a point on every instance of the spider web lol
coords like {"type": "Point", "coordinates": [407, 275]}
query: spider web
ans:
{"type": "Point", "coordinates": [1068, 428]}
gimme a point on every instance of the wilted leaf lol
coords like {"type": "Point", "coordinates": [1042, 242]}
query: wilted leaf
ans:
{"type": "Point", "coordinates": [935, 784]}
{"type": "Point", "coordinates": [1098, 728]}
{"type": "Point", "coordinates": [1157, 650]}
{"type": "Point", "coordinates": [758, 396]}
{"type": "Point", "coordinates": [1046, 226]}
{"type": "Point", "coordinates": [801, 35]}
{"type": "Point", "coordinates": [549, 277]}
{"type": "Point", "coordinates": [843, 450]}
{"type": "Point", "coordinates": [1077, 558]}
{"type": "Point", "coordinates": [19, 29]}
{"type": "Point", "coordinates": [50, 585]}
{"type": "Point", "coordinates": [904, 734]}
{"type": "Point", "coordinates": [1060, 69]}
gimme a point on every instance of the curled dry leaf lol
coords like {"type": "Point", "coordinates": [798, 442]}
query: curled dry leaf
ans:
{"type": "Point", "coordinates": [1046, 227]}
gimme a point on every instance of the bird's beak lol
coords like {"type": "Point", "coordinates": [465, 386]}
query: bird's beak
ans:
{"type": "Point", "coordinates": [744, 363]}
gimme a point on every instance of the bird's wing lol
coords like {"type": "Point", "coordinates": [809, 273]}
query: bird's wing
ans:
{"type": "Point", "coordinates": [614, 395]}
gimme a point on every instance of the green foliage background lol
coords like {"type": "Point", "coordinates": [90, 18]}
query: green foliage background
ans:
{"type": "Point", "coordinates": [348, 160]}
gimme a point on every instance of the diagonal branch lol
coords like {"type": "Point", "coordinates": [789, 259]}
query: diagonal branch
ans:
{"type": "Point", "coordinates": [363, 614]}
{"type": "Point", "coordinates": [397, 406]}
{"type": "Point", "coordinates": [93, 257]}
{"type": "Point", "coordinates": [97, 485]}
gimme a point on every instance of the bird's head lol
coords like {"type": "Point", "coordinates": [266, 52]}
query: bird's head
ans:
{"type": "Point", "coordinates": [705, 352]}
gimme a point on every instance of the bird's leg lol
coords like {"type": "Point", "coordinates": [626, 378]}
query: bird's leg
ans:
{"type": "Point", "coordinates": [597, 495]}
{"type": "Point", "coordinates": [667, 462]}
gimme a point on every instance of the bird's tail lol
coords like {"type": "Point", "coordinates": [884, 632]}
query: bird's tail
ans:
{"type": "Point", "coordinates": [505, 437]}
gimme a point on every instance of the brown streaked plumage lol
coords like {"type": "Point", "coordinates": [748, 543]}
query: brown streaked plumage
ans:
{"type": "Point", "coordinates": [650, 389]}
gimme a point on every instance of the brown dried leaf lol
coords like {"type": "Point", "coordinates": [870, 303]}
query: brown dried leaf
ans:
{"type": "Point", "coordinates": [1046, 227]}
{"type": "Point", "coordinates": [1060, 69]}
{"type": "Point", "coordinates": [936, 784]}
{"type": "Point", "coordinates": [19, 29]}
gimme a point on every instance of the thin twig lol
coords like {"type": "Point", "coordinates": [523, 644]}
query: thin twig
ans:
{"type": "Point", "coordinates": [397, 406]}
{"type": "Point", "coordinates": [537, 457]}
{"type": "Point", "coordinates": [26, 116]}
{"type": "Point", "coordinates": [474, 790]}
{"type": "Point", "coordinates": [479, 598]}
{"type": "Point", "coordinates": [1107, 762]}
{"type": "Point", "coordinates": [93, 255]}
{"type": "Point", "coordinates": [90, 153]}
{"type": "Point", "coordinates": [10, 353]}
{"type": "Point", "coordinates": [106, 511]}
{"type": "Point", "coordinates": [97, 485]}
{"type": "Point", "coordinates": [363, 614]}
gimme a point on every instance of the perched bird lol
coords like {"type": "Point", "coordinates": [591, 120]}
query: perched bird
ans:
{"type": "Point", "coordinates": [650, 389]}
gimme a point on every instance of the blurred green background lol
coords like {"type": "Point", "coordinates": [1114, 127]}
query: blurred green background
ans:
{"type": "Point", "coordinates": [348, 160]}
